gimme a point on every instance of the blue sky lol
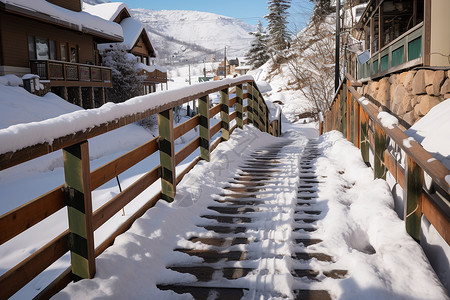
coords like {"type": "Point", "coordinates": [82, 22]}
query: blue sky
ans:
{"type": "Point", "coordinates": [248, 10]}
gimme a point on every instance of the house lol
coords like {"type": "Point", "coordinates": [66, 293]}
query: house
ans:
{"type": "Point", "coordinates": [243, 67]}
{"type": "Point", "coordinates": [136, 41]}
{"type": "Point", "coordinates": [405, 63]}
{"type": "Point", "coordinates": [224, 68]}
{"type": "Point", "coordinates": [56, 40]}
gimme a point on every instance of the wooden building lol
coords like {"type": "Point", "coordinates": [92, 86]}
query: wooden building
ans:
{"type": "Point", "coordinates": [136, 41]}
{"type": "Point", "coordinates": [57, 41]}
{"type": "Point", "coordinates": [401, 34]}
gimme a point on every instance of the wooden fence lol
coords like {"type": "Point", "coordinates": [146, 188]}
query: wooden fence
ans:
{"type": "Point", "coordinates": [75, 194]}
{"type": "Point", "coordinates": [407, 161]}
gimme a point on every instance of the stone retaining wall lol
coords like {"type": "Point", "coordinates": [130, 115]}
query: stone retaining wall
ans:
{"type": "Point", "coordinates": [410, 95]}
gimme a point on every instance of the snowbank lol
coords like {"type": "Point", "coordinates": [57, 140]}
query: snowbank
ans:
{"type": "Point", "coordinates": [432, 132]}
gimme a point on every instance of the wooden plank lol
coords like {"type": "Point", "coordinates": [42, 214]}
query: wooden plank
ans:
{"type": "Point", "coordinates": [127, 224]}
{"type": "Point", "coordinates": [79, 207]}
{"type": "Point", "coordinates": [215, 129]}
{"type": "Point", "coordinates": [349, 112]}
{"type": "Point", "coordinates": [391, 164]}
{"type": "Point", "coordinates": [436, 216]}
{"type": "Point", "coordinates": [233, 101]}
{"type": "Point", "coordinates": [185, 127]}
{"type": "Point", "coordinates": [107, 210]}
{"type": "Point", "coordinates": [110, 170]}
{"type": "Point", "coordinates": [233, 116]}
{"type": "Point", "coordinates": [187, 150]}
{"type": "Point", "coordinates": [25, 216]}
{"type": "Point", "coordinates": [55, 286]}
{"type": "Point", "coordinates": [401, 179]}
{"type": "Point", "coordinates": [423, 158]}
{"type": "Point", "coordinates": [13, 158]}
{"type": "Point", "coordinates": [214, 110]}
{"type": "Point", "coordinates": [14, 279]}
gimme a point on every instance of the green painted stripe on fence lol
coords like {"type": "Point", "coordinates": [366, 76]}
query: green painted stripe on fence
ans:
{"type": "Point", "coordinates": [80, 265]}
{"type": "Point", "coordinates": [77, 221]}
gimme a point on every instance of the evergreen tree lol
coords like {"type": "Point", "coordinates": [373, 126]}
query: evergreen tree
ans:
{"type": "Point", "coordinates": [126, 82]}
{"type": "Point", "coordinates": [322, 8]}
{"type": "Point", "coordinates": [257, 55]}
{"type": "Point", "coordinates": [277, 20]}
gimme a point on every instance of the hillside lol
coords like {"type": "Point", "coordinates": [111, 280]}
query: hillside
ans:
{"type": "Point", "coordinates": [180, 35]}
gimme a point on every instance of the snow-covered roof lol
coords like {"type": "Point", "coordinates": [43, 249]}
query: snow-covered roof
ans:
{"type": "Point", "coordinates": [132, 29]}
{"type": "Point", "coordinates": [107, 11]}
{"type": "Point", "coordinates": [81, 21]}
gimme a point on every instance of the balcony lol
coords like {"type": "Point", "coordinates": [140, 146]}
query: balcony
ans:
{"type": "Point", "coordinates": [154, 77]}
{"type": "Point", "coordinates": [61, 73]}
{"type": "Point", "coordinates": [404, 52]}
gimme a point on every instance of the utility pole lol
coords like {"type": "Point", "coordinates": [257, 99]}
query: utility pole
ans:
{"type": "Point", "coordinates": [338, 29]}
{"type": "Point", "coordinates": [225, 63]}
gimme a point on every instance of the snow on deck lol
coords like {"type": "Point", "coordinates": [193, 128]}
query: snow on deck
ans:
{"type": "Point", "coordinates": [360, 229]}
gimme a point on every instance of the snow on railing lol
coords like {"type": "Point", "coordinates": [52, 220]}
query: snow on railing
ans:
{"type": "Point", "coordinates": [71, 132]}
{"type": "Point", "coordinates": [370, 130]}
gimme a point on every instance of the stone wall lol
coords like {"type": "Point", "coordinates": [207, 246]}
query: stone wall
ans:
{"type": "Point", "coordinates": [410, 95]}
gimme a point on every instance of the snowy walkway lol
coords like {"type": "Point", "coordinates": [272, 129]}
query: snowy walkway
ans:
{"type": "Point", "coordinates": [287, 218]}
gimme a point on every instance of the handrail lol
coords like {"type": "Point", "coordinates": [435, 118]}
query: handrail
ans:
{"type": "Point", "coordinates": [357, 118]}
{"type": "Point", "coordinates": [76, 152]}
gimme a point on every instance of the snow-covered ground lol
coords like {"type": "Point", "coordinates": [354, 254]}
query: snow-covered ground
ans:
{"type": "Point", "coordinates": [361, 229]}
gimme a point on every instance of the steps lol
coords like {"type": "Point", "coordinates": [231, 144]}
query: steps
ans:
{"type": "Point", "coordinates": [249, 213]}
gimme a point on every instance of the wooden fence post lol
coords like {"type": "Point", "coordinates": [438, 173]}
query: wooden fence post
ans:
{"type": "Point", "coordinates": [249, 103]}
{"type": "Point", "coordinates": [256, 115]}
{"type": "Point", "coordinates": [413, 207]}
{"type": "Point", "coordinates": [239, 106]}
{"type": "Point", "coordinates": [225, 114]}
{"type": "Point", "coordinates": [364, 140]}
{"type": "Point", "coordinates": [203, 110]}
{"type": "Point", "coordinates": [79, 208]}
{"type": "Point", "coordinates": [349, 111]}
{"type": "Point", "coordinates": [167, 155]}
{"type": "Point", "coordinates": [380, 146]}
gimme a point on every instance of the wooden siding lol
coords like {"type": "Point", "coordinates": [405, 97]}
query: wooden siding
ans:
{"type": "Point", "coordinates": [14, 39]}
{"type": "Point", "coordinates": [74, 5]}
{"type": "Point", "coordinates": [141, 48]}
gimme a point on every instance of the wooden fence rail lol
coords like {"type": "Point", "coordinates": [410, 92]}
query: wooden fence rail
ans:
{"type": "Point", "coordinates": [75, 194]}
{"type": "Point", "coordinates": [357, 118]}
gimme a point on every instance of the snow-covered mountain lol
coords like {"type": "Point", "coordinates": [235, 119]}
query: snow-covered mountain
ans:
{"type": "Point", "coordinates": [180, 35]}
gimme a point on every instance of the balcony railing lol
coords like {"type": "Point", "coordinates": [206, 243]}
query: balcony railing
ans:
{"type": "Point", "coordinates": [61, 73]}
{"type": "Point", "coordinates": [404, 52]}
{"type": "Point", "coordinates": [154, 77]}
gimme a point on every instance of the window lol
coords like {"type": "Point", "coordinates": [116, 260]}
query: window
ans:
{"type": "Point", "coordinates": [73, 54]}
{"type": "Point", "coordinates": [145, 60]}
{"type": "Point", "coordinates": [139, 59]}
{"type": "Point", "coordinates": [63, 50]}
{"type": "Point", "coordinates": [41, 48]}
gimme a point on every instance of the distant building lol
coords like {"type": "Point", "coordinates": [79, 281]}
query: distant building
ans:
{"type": "Point", "coordinates": [136, 40]}
{"type": "Point", "coordinates": [56, 40]}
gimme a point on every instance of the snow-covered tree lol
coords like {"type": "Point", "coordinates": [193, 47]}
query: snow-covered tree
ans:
{"type": "Point", "coordinates": [321, 9]}
{"type": "Point", "coordinates": [257, 55]}
{"type": "Point", "coordinates": [277, 20]}
{"type": "Point", "coordinates": [126, 81]}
